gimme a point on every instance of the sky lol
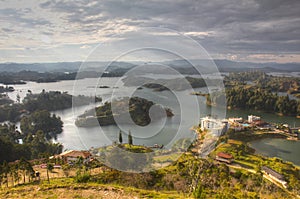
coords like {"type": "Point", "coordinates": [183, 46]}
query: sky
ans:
{"type": "Point", "coordinates": [64, 31]}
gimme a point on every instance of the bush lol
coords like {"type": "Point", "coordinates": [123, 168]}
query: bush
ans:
{"type": "Point", "coordinates": [82, 177]}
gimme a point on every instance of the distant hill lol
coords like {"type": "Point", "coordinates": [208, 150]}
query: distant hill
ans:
{"type": "Point", "coordinates": [60, 66]}
{"type": "Point", "coordinates": [231, 66]}
{"type": "Point", "coordinates": [182, 65]}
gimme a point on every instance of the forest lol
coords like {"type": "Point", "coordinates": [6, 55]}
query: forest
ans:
{"type": "Point", "coordinates": [37, 124]}
{"type": "Point", "coordinates": [258, 94]}
{"type": "Point", "coordinates": [51, 101]}
{"type": "Point", "coordinates": [34, 145]}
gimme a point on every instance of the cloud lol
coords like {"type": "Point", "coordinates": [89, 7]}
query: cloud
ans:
{"type": "Point", "coordinates": [236, 27]}
{"type": "Point", "coordinates": [85, 47]}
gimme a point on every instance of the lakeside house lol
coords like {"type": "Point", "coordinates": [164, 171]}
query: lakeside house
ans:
{"type": "Point", "coordinates": [235, 120]}
{"type": "Point", "coordinates": [73, 155]}
{"type": "Point", "coordinates": [253, 118]}
{"type": "Point", "coordinates": [238, 124]}
{"type": "Point", "coordinates": [274, 175]}
{"type": "Point", "coordinates": [224, 157]}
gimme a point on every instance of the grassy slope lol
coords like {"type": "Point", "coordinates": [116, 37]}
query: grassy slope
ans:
{"type": "Point", "coordinates": [66, 188]}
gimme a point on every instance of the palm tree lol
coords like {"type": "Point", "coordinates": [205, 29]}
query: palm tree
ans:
{"type": "Point", "coordinates": [15, 174]}
{"type": "Point", "coordinates": [22, 167]}
{"type": "Point", "coordinates": [12, 172]}
{"type": "Point", "coordinates": [26, 168]}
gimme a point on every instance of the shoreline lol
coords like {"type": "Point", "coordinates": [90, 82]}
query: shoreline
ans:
{"type": "Point", "coordinates": [267, 156]}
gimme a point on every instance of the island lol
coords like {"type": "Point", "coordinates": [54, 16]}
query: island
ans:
{"type": "Point", "coordinates": [138, 110]}
{"type": "Point", "coordinates": [176, 84]}
{"type": "Point", "coordinates": [6, 89]}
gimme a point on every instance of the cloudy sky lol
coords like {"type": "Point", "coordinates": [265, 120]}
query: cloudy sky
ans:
{"type": "Point", "coordinates": [60, 30]}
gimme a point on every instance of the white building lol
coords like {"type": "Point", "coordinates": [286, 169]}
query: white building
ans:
{"type": "Point", "coordinates": [216, 126]}
{"type": "Point", "coordinates": [253, 118]}
{"type": "Point", "coordinates": [208, 123]}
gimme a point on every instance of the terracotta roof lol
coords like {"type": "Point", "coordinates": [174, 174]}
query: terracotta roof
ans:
{"type": "Point", "coordinates": [76, 154]}
{"type": "Point", "coordinates": [224, 155]}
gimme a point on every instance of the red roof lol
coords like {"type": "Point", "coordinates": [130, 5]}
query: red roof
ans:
{"type": "Point", "coordinates": [224, 155]}
{"type": "Point", "coordinates": [75, 154]}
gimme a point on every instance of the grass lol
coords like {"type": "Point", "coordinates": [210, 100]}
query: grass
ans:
{"type": "Point", "coordinates": [66, 188]}
{"type": "Point", "coordinates": [167, 158]}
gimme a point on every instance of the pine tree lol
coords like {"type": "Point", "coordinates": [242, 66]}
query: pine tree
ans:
{"type": "Point", "coordinates": [130, 138]}
{"type": "Point", "coordinates": [120, 137]}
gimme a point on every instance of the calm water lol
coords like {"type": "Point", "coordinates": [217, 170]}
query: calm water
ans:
{"type": "Point", "coordinates": [73, 137]}
{"type": "Point", "coordinates": [286, 149]}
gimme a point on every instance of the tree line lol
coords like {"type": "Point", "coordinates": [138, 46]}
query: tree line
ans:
{"type": "Point", "coordinates": [50, 101]}
{"type": "Point", "coordinates": [252, 98]}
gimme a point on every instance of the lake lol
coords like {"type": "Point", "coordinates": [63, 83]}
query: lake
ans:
{"type": "Point", "coordinates": [73, 137]}
{"type": "Point", "coordinates": [287, 150]}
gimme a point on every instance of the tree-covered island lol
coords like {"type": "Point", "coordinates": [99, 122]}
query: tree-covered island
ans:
{"type": "Point", "coordinates": [103, 115]}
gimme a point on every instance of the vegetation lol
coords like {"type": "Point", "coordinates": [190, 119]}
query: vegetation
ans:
{"type": "Point", "coordinates": [236, 143]}
{"type": "Point", "coordinates": [259, 96]}
{"type": "Point", "coordinates": [262, 80]}
{"type": "Point", "coordinates": [21, 77]}
{"type": "Point", "coordinates": [177, 84]}
{"type": "Point", "coordinates": [6, 89]}
{"type": "Point", "coordinates": [130, 141]}
{"type": "Point", "coordinates": [4, 99]}
{"type": "Point", "coordinates": [188, 177]}
{"type": "Point", "coordinates": [67, 188]}
{"type": "Point", "coordinates": [120, 137]}
{"type": "Point", "coordinates": [35, 145]}
{"type": "Point", "coordinates": [138, 110]}
{"type": "Point", "coordinates": [51, 101]}
{"type": "Point", "coordinates": [51, 125]}
{"type": "Point", "coordinates": [54, 100]}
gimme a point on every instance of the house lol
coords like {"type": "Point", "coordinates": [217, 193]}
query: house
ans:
{"type": "Point", "coordinates": [224, 157]}
{"type": "Point", "coordinates": [253, 118]}
{"type": "Point", "coordinates": [233, 120]}
{"type": "Point", "coordinates": [72, 156]}
{"type": "Point", "coordinates": [262, 125]}
{"type": "Point", "coordinates": [274, 175]}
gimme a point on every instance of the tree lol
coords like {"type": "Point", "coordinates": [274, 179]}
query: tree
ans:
{"type": "Point", "coordinates": [49, 168]}
{"type": "Point", "coordinates": [120, 137]}
{"type": "Point", "coordinates": [18, 98]}
{"type": "Point", "coordinates": [130, 138]}
{"type": "Point", "coordinates": [5, 171]}
{"type": "Point", "coordinates": [44, 121]}
{"type": "Point", "coordinates": [26, 168]}
{"type": "Point", "coordinates": [66, 169]}
{"type": "Point", "coordinates": [13, 173]}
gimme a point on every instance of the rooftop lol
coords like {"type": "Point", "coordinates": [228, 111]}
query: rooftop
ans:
{"type": "Point", "coordinates": [224, 155]}
{"type": "Point", "coordinates": [75, 154]}
{"type": "Point", "coordinates": [272, 172]}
